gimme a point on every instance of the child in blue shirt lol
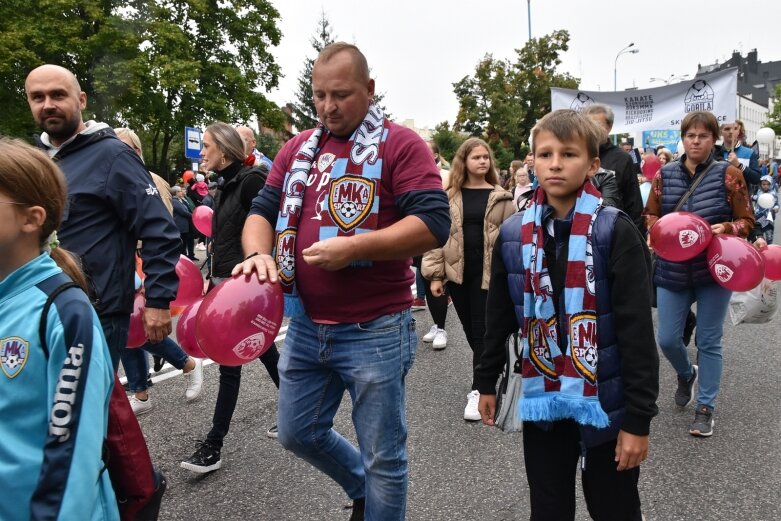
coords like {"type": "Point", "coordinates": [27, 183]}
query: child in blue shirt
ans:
{"type": "Point", "coordinates": [55, 371]}
{"type": "Point", "coordinates": [766, 217]}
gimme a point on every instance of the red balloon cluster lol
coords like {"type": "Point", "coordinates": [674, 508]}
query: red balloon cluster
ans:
{"type": "Point", "coordinates": [680, 236]}
{"type": "Point", "coordinates": [772, 256]}
{"type": "Point", "coordinates": [185, 331]}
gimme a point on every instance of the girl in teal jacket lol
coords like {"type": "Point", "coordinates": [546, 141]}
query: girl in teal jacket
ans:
{"type": "Point", "coordinates": [55, 371]}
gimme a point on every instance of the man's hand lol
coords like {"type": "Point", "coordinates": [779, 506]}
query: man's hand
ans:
{"type": "Point", "coordinates": [157, 324]}
{"type": "Point", "coordinates": [437, 288]}
{"type": "Point", "coordinates": [760, 244]}
{"type": "Point", "coordinates": [732, 158]}
{"type": "Point", "coordinates": [330, 254]}
{"type": "Point", "coordinates": [263, 265]}
{"type": "Point", "coordinates": [631, 450]}
{"type": "Point", "coordinates": [487, 408]}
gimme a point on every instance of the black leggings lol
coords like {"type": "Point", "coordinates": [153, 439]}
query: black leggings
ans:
{"type": "Point", "coordinates": [228, 394]}
{"type": "Point", "coordinates": [437, 306]}
{"type": "Point", "coordinates": [469, 300]}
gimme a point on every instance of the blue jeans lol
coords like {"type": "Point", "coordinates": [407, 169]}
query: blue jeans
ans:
{"type": "Point", "coordinates": [136, 363]}
{"type": "Point", "coordinates": [371, 361]}
{"type": "Point", "coordinates": [712, 303]}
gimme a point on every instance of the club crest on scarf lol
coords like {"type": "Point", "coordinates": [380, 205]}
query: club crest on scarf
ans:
{"type": "Point", "coordinates": [583, 334]}
{"type": "Point", "coordinates": [350, 200]}
{"type": "Point", "coordinates": [14, 352]}
{"type": "Point", "coordinates": [286, 255]}
{"type": "Point", "coordinates": [539, 349]}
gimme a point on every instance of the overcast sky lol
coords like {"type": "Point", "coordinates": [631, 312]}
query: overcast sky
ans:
{"type": "Point", "coordinates": [418, 48]}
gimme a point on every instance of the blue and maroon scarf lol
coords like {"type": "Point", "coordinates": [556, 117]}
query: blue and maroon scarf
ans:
{"type": "Point", "coordinates": [350, 205]}
{"type": "Point", "coordinates": [559, 378]}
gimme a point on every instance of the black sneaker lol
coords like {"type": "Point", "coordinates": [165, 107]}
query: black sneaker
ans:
{"type": "Point", "coordinates": [206, 459]}
{"type": "Point", "coordinates": [158, 363]}
{"type": "Point", "coordinates": [702, 426]}
{"type": "Point", "coordinates": [151, 510]}
{"type": "Point", "coordinates": [359, 505]}
{"type": "Point", "coordinates": [684, 394]}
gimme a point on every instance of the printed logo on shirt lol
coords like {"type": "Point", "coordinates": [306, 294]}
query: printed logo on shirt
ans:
{"type": "Point", "coordinates": [14, 352]}
{"type": "Point", "coordinates": [350, 201]}
{"type": "Point", "coordinates": [325, 160]}
{"type": "Point", "coordinates": [152, 190]}
{"type": "Point", "coordinates": [583, 333]}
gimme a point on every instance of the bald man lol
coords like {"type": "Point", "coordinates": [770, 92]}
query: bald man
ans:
{"type": "Point", "coordinates": [248, 136]}
{"type": "Point", "coordinates": [113, 203]}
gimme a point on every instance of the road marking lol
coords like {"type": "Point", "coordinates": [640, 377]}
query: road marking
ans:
{"type": "Point", "coordinates": [169, 371]}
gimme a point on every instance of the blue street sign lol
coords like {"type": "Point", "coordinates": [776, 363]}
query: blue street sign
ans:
{"type": "Point", "coordinates": [192, 143]}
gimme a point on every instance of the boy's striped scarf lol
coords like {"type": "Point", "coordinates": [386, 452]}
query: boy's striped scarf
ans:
{"type": "Point", "coordinates": [559, 375]}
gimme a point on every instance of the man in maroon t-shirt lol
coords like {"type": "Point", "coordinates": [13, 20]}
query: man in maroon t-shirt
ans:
{"type": "Point", "coordinates": [351, 202]}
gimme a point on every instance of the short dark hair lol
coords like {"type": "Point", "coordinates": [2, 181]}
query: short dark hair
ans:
{"type": "Point", "coordinates": [568, 125]}
{"type": "Point", "coordinates": [702, 118]}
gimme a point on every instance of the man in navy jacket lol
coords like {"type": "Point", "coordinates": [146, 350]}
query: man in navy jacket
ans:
{"type": "Point", "coordinates": [112, 204]}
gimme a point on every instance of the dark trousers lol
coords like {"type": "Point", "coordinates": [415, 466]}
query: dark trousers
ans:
{"type": "Point", "coordinates": [228, 394]}
{"type": "Point", "coordinates": [187, 247]}
{"type": "Point", "coordinates": [115, 329]}
{"type": "Point", "coordinates": [437, 306]}
{"type": "Point", "coordinates": [551, 458]}
{"type": "Point", "coordinates": [469, 300]}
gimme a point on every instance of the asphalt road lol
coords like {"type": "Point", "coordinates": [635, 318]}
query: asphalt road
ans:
{"type": "Point", "coordinates": [466, 471]}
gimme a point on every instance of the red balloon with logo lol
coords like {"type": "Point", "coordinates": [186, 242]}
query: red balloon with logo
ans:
{"type": "Point", "coordinates": [772, 255]}
{"type": "Point", "coordinates": [680, 236]}
{"type": "Point", "coordinates": [239, 320]}
{"type": "Point", "coordinates": [202, 220]}
{"type": "Point", "coordinates": [735, 263]}
{"type": "Point", "coordinates": [190, 282]}
{"type": "Point", "coordinates": [136, 336]}
{"type": "Point", "coordinates": [185, 331]}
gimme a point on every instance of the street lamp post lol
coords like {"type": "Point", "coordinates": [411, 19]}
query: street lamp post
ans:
{"type": "Point", "coordinates": [615, 63]}
{"type": "Point", "coordinates": [669, 80]}
{"type": "Point", "coordinates": [529, 10]}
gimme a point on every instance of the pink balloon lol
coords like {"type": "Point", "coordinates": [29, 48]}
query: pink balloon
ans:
{"type": "Point", "coordinates": [190, 282]}
{"type": "Point", "coordinates": [185, 331]}
{"type": "Point", "coordinates": [239, 320]}
{"type": "Point", "coordinates": [136, 335]}
{"type": "Point", "coordinates": [202, 220]}
{"type": "Point", "coordinates": [772, 255]}
{"type": "Point", "coordinates": [734, 263]}
{"type": "Point", "coordinates": [680, 236]}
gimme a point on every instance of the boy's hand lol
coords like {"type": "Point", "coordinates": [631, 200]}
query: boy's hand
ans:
{"type": "Point", "coordinates": [631, 450]}
{"type": "Point", "coordinates": [487, 408]}
{"type": "Point", "coordinates": [436, 288]}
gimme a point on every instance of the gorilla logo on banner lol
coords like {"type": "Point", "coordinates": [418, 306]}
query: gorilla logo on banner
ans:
{"type": "Point", "coordinates": [581, 101]}
{"type": "Point", "coordinates": [699, 97]}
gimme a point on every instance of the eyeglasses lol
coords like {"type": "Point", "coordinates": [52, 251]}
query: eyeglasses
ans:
{"type": "Point", "coordinates": [700, 137]}
{"type": "Point", "coordinates": [13, 202]}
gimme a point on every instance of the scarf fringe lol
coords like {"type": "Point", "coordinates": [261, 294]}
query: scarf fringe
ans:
{"type": "Point", "coordinates": [559, 407]}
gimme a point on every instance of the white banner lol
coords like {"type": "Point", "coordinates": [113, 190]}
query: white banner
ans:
{"type": "Point", "coordinates": [661, 107]}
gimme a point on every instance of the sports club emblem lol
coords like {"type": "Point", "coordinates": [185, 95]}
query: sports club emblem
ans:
{"type": "Point", "coordinates": [14, 352]}
{"type": "Point", "coordinates": [251, 347]}
{"type": "Point", "coordinates": [722, 272]}
{"type": "Point", "coordinates": [539, 350]}
{"type": "Point", "coordinates": [350, 201]}
{"type": "Point", "coordinates": [688, 238]}
{"type": "Point", "coordinates": [699, 97]}
{"type": "Point", "coordinates": [286, 255]}
{"type": "Point", "coordinates": [324, 161]}
{"type": "Point", "coordinates": [583, 332]}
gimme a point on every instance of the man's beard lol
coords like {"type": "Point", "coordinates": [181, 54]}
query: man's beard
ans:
{"type": "Point", "coordinates": [62, 130]}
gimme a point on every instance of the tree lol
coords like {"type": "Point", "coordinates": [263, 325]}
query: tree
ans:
{"type": "Point", "coordinates": [447, 140]}
{"type": "Point", "coordinates": [154, 65]}
{"type": "Point", "coordinates": [304, 114]}
{"type": "Point", "coordinates": [503, 100]}
{"type": "Point", "coordinates": [774, 117]}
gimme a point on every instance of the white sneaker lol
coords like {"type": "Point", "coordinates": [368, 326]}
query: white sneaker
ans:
{"type": "Point", "coordinates": [429, 337]}
{"type": "Point", "coordinates": [440, 339]}
{"type": "Point", "coordinates": [194, 381]}
{"type": "Point", "coordinates": [471, 413]}
{"type": "Point", "coordinates": [140, 406]}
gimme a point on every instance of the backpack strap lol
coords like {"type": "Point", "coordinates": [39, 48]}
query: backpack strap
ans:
{"type": "Point", "coordinates": [45, 314]}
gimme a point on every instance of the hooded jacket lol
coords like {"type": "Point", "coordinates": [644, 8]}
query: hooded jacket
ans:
{"type": "Point", "coordinates": [112, 204]}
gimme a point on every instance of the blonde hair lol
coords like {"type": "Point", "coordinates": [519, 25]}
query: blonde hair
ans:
{"type": "Point", "coordinates": [458, 173]}
{"type": "Point", "coordinates": [29, 177]}
{"type": "Point", "coordinates": [133, 137]}
{"type": "Point", "coordinates": [228, 140]}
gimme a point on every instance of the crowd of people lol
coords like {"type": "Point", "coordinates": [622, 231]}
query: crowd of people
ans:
{"type": "Point", "coordinates": [553, 255]}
